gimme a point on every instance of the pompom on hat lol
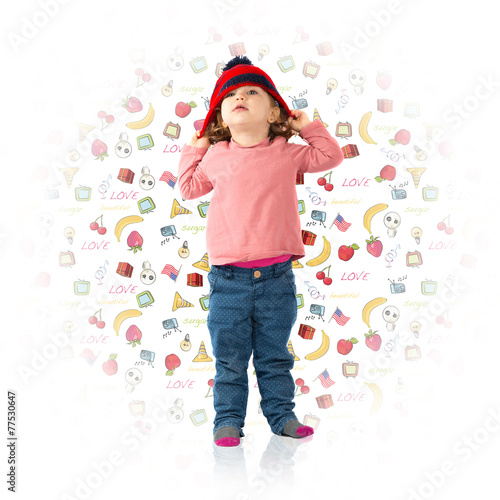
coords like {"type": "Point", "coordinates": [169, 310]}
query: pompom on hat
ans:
{"type": "Point", "coordinates": [239, 72]}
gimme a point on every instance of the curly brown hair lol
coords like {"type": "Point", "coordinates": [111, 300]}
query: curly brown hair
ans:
{"type": "Point", "coordinates": [216, 132]}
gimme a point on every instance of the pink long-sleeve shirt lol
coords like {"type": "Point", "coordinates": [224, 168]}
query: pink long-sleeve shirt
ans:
{"type": "Point", "coordinates": [253, 212]}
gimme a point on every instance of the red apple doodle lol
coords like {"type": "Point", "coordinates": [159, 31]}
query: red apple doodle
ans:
{"type": "Point", "coordinates": [402, 137]}
{"type": "Point", "coordinates": [110, 367]}
{"type": "Point", "coordinates": [388, 173]}
{"type": "Point", "coordinates": [172, 361]}
{"type": "Point", "coordinates": [346, 252]}
{"type": "Point", "coordinates": [182, 109]}
{"type": "Point", "coordinates": [345, 346]}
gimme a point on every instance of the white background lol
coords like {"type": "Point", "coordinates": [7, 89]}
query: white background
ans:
{"type": "Point", "coordinates": [442, 49]}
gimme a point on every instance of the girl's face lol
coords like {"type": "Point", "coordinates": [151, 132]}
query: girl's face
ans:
{"type": "Point", "coordinates": [249, 109]}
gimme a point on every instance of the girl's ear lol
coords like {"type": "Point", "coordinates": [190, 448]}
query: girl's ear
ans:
{"type": "Point", "coordinates": [274, 115]}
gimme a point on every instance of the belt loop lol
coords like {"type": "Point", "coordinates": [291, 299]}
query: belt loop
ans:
{"type": "Point", "coordinates": [276, 273]}
{"type": "Point", "coordinates": [229, 273]}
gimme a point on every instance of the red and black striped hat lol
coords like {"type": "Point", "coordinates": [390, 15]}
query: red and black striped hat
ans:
{"type": "Point", "coordinates": [239, 72]}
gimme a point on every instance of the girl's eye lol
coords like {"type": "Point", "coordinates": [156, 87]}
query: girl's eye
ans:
{"type": "Point", "coordinates": [229, 94]}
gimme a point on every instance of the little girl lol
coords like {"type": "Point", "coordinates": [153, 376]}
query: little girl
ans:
{"type": "Point", "coordinates": [253, 235]}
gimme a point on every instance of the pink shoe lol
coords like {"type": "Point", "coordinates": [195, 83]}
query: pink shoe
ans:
{"type": "Point", "coordinates": [304, 431]}
{"type": "Point", "coordinates": [228, 441]}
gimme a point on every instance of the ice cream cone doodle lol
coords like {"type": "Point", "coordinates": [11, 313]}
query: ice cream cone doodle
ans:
{"type": "Point", "coordinates": [291, 351]}
{"type": "Point", "coordinates": [416, 173]}
{"type": "Point", "coordinates": [69, 173]}
{"type": "Point", "coordinates": [316, 116]}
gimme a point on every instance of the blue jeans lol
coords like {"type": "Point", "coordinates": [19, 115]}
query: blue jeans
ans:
{"type": "Point", "coordinates": [252, 309]}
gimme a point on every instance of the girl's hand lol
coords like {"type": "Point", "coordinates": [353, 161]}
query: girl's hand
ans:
{"type": "Point", "coordinates": [197, 142]}
{"type": "Point", "coordinates": [299, 120]}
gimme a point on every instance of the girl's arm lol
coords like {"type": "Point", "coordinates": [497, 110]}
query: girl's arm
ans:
{"type": "Point", "coordinates": [322, 153]}
{"type": "Point", "coordinates": [192, 179]}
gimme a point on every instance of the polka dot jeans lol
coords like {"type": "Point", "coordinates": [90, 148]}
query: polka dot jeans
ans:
{"type": "Point", "coordinates": [252, 309]}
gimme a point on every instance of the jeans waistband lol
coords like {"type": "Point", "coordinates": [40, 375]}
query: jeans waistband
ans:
{"type": "Point", "coordinates": [265, 272]}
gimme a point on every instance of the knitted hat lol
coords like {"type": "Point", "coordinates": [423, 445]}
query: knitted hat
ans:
{"type": "Point", "coordinates": [239, 72]}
